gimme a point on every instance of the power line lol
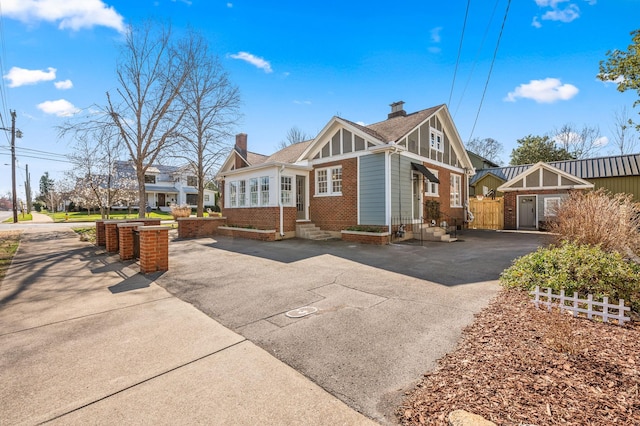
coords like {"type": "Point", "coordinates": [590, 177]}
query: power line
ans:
{"type": "Point", "coordinates": [495, 53]}
{"type": "Point", "coordinates": [39, 158]}
{"type": "Point", "coordinates": [455, 71]}
{"type": "Point", "coordinates": [475, 61]}
{"type": "Point", "coordinates": [37, 151]}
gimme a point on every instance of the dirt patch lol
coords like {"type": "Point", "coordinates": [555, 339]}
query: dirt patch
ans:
{"type": "Point", "coordinates": [9, 241]}
{"type": "Point", "coordinates": [520, 365]}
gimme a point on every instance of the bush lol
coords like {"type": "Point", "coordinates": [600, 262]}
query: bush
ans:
{"type": "Point", "coordinates": [582, 268]}
{"type": "Point", "coordinates": [180, 211]}
{"type": "Point", "coordinates": [599, 218]}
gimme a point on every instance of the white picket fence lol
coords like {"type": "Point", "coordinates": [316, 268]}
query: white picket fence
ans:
{"type": "Point", "coordinates": [547, 298]}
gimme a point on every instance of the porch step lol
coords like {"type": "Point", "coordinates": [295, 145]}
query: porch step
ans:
{"type": "Point", "coordinates": [309, 231]}
{"type": "Point", "coordinates": [436, 233]}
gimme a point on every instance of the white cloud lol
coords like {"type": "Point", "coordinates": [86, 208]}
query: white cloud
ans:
{"type": "Point", "coordinates": [69, 14]}
{"type": "Point", "coordinates": [568, 14]}
{"type": "Point", "coordinates": [435, 34]}
{"type": "Point", "coordinates": [548, 90]}
{"type": "Point", "coordinates": [434, 49]}
{"type": "Point", "coordinates": [536, 23]}
{"type": "Point", "coordinates": [60, 108]}
{"type": "Point", "coordinates": [63, 85]}
{"type": "Point", "coordinates": [549, 3]}
{"type": "Point", "coordinates": [229, 5]}
{"type": "Point", "coordinates": [21, 76]}
{"type": "Point", "coordinates": [253, 60]}
{"type": "Point", "coordinates": [602, 141]}
{"type": "Point", "coordinates": [302, 102]}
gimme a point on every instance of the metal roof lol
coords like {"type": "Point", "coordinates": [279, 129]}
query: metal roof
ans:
{"type": "Point", "coordinates": [588, 168]}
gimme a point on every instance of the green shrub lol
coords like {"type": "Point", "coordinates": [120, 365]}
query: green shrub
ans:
{"type": "Point", "coordinates": [582, 268]}
{"type": "Point", "coordinates": [367, 228]}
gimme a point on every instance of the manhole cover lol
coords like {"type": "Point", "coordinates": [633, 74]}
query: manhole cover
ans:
{"type": "Point", "coordinates": [301, 312]}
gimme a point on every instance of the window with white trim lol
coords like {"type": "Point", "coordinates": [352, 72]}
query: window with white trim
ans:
{"type": "Point", "coordinates": [432, 189]}
{"type": "Point", "coordinates": [242, 193]}
{"type": "Point", "coordinates": [233, 194]}
{"type": "Point", "coordinates": [253, 191]}
{"type": "Point", "coordinates": [436, 139]}
{"type": "Point", "coordinates": [264, 191]}
{"type": "Point", "coordinates": [329, 181]}
{"type": "Point", "coordinates": [456, 190]}
{"type": "Point", "coordinates": [551, 206]}
{"type": "Point", "coordinates": [285, 190]}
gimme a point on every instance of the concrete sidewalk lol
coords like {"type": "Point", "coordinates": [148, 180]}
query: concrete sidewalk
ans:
{"type": "Point", "coordinates": [86, 339]}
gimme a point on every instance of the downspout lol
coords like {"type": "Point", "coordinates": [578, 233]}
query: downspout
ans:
{"type": "Point", "coordinates": [279, 185]}
{"type": "Point", "coordinates": [395, 151]}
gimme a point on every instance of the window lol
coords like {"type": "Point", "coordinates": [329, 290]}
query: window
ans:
{"type": "Point", "coordinates": [264, 191]}
{"type": "Point", "coordinates": [233, 194]}
{"type": "Point", "coordinates": [436, 142]}
{"type": "Point", "coordinates": [242, 193]}
{"type": "Point", "coordinates": [432, 189]}
{"type": "Point", "coordinates": [192, 181]}
{"type": "Point", "coordinates": [149, 178]}
{"type": "Point", "coordinates": [326, 187]}
{"type": "Point", "coordinates": [206, 197]}
{"type": "Point", "coordinates": [551, 206]}
{"type": "Point", "coordinates": [192, 199]}
{"type": "Point", "coordinates": [456, 191]}
{"type": "Point", "coordinates": [253, 191]}
{"type": "Point", "coordinates": [285, 190]}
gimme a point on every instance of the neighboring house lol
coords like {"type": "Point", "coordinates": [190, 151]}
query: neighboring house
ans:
{"type": "Point", "coordinates": [352, 174]}
{"type": "Point", "coordinates": [479, 163]}
{"type": "Point", "coordinates": [167, 185]}
{"type": "Point", "coordinates": [530, 191]}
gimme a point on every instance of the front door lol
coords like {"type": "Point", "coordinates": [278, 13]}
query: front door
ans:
{"type": "Point", "coordinates": [416, 191]}
{"type": "Point", "coordinates": [527, 212]}
{"type": "Point", "coordinates": [300, 198]}
{"type": "Point", "coordinates": [161, 200]}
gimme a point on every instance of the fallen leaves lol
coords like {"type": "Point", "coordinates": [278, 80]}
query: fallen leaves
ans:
{"type": "Point", "coordinates": [518, 364]}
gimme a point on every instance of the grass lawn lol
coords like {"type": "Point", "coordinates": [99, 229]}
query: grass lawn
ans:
{"type": "Point", "coordinates": [8, 245]}
{"type": "Point", "coordinates": [21, 218]}
{"type": "Point", "coordinates": [84, 217]}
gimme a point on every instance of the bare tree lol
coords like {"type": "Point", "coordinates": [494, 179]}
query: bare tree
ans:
{"type": "Point", "coordinates": [294, 135]}
{"type": "Point", "coordinates": [623, 129]}
{"type": "Point", "coordinates": [96, 182]}
{"type": "Point", "coordinates": [488, 148]}
{"type": "Point", "coordinates": [212, 104]}
{"type": "Point", "coordinates": [580, 143]}
{"type": "Point", "coordinates": [145, 108]}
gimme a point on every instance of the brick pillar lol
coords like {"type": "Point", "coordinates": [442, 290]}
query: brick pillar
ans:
{"type": "Point", "coordinates": [111, 235]}
{"type": "Point", "coordinates": [154, 249]}
{"type": "Point", "coordinates": [125, 239]}
{"type": "Point", "coordinates": [100, 235]}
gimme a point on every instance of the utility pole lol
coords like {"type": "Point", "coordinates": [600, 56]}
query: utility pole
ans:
{"type": "Point", "coordinates": [27, 188]}
{"type": "Point", "coordinates": [13, 166]}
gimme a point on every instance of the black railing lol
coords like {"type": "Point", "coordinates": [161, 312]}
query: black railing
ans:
{"type": "Point", "coordinates": [402, 227]}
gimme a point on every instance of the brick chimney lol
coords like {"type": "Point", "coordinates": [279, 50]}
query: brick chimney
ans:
{"type": "Point", "coordinates": [397, 110]}
{"type": "Point", "coordinates": [241, 149]}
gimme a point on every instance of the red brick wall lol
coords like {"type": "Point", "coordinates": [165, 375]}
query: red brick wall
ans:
{"type": "Point", "coordinates": [154, 249]}
{"type": "Point", "coordinates": [125, 240]}
{"type": "Point", "coordinates": [249, 234]}
{"type": "Point", "coordinates": [366, 239]}
{"type": "Point", "coordinates": [261, 217]}
{"type": "Point", "coordinates": [444, 198]}
{"type": "Point", "coordinates": [198, 227]}
{"type": "Point", "coordinates": [101, 239]}
{"type": "Point", "coordinates": [336, 213]}
{"type": "Point", "coordinates": [111, 237]}
{"type": "Point", "coordinates": [511, 204]}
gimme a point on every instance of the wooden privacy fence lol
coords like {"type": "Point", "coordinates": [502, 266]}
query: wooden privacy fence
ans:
{"type": "Point", "coordinates": [577, 306]}
{"type": "Point", "coordinates": [487, 213]}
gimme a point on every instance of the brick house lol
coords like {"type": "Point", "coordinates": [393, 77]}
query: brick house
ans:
{"type": "Point", "coordinates": [352, 174]}
{"type": "Point", "coordinates": [531, 190]}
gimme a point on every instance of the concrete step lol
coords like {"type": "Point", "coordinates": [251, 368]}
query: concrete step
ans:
{"type": "Point", "coordinates": [310, 231]}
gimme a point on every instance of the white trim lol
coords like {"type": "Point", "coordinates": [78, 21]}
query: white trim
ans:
{"type": "Point", "coordinates": [581, 183]}
{"type": "Point", "coordinates": [433, 163]}
{"type": "Point", "coordinates": [535, 210]}
{"type": "Point", "coordinates": [387, 188]}
{"type": "Point", "coordinates": [358, 190]}
{"type": "Point", "coordinates": [329, 180]}
{"type": "Point", "coordinates": [558, 199]}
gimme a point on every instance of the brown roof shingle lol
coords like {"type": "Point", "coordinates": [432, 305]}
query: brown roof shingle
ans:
{"type": "Point", "coordinates": [394, 128]}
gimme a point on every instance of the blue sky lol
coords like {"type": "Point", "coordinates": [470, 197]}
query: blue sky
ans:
{"type": "Point", "coordinates": [300, 63]}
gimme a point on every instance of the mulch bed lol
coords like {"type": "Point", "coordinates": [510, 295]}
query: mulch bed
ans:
{"type": "Point", "coordinates": [520, 365]}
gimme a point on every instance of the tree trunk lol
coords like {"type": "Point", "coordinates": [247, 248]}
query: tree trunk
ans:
{"type": "Point", "coordinates": [142, 195]}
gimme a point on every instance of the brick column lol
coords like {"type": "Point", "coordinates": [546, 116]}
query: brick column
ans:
{"type": "Point", "coordinates": [111, 235]}
{"type": "Point", "coordinates": [154, 249]}
{"type": "Point", "coordinates": [100, 235]}
{"type": "Point", "coordinates": [125, 239]}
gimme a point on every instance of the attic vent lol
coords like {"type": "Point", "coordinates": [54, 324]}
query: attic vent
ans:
{"type": "Point", "coordinates": [397, 110]}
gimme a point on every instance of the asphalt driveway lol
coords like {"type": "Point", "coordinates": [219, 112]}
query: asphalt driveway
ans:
{"type": "Point", "coordinates": [384, 314]}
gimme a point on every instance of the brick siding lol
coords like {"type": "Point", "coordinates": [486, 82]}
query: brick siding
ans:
{"type": "Point", "coordinates": [198, 227]}
{"type": "Point", "coordinates": [154, 249]}
{"type": "Point", "coordinates": [262, 217]}
{"type": "Point", "coordinates": [335, 213]}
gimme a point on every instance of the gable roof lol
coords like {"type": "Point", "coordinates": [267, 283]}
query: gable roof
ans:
{"type": "Point", "coordinates": [289, 154]}
{"type": "Point", "coordinates": [393, 129]}
{"type": "Point", "coordinates": [563, 180]}
{"type": "Point", "coordinates": [588, 168]}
